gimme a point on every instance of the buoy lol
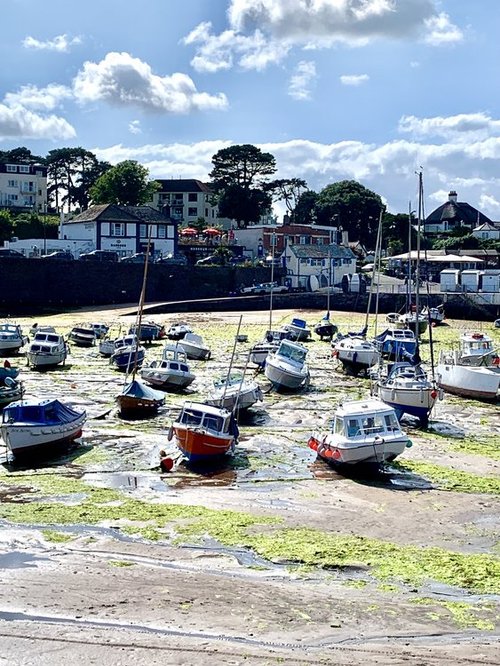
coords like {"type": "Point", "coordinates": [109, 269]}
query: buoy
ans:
{"type": "Point", "coordinates": [166, 464]}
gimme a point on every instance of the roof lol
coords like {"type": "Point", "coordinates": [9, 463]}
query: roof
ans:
{"type": "Point", "coordinates": [457, 211]}
{"type": "Point", "coordinates": [435, 256]}
{"type": "Point", "coordinates": [115, 213]}
{"type": "Point", "coordinates": [183, 185]}
{"type": "Point", "coordinates": [487, 226]}
{"type": "Point", "coordinates": [312, 251]}
{"type": "Point", "coordinates": [361, 407]}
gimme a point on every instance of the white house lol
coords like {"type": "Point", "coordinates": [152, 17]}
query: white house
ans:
{"type": "Point", "coordinates": [23, 186]}
{"type": "Point", "coordinates": [487, 231]}
{"type": "Point", "coordinates": [306, 260]}
{"type": "Point", "coordinates": [123, 229]}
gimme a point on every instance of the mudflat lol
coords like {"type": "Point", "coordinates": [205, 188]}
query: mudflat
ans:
{"type": "Point", "coordinates": [271, 557]}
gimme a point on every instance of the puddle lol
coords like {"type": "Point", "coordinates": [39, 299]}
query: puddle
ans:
{"type": "Point", "coordinates": [16, 559]}
{"type": "Point", "coordinates": [125, 481]}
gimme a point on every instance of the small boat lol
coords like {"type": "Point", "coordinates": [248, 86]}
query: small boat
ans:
{"type": "Point", "coordinates": [136, 399]}
{"type": "Point", "coordinates": [82, 336]}
{"type": "Point", "coordinates": [286, 368]}
{"type": "Point", "coordinates": [11, 338]}
{"type": "Point", "coordinates": [393, 342]}
{"type": "Point", "coordinates": [171, 372]}
{"type": "Point", "coordinates": [150, 331]}
{"type": "Point", "coordinates": [100, 330]}
{"type": "Point", "coordinates": [6, 370]}
{"type": "Point", "coordinates": [128, 355]}
{"type": "Point", "coordinates": [39, 425]}
{"type": "Point", "coordinates": [413, 321]}
{"type": "Point", "coordinates": [178, 331]}
{"type": "Point", "coordinates": [408, 390]}
{"type": "Point", "coordinates": [204, 433]}
{"type": "Point", "coordinates": [325, 329]}
{"type": "Point", "coordinates": [477, 349]}
{"type": "Point", "coordinates": [108, 346]}
{"type": "Point", "coordinates": [194, 347]}
{"type": "Point", "coordinates": [298, 329]}
{"type": "Point", "coordinates": [234, 392]}
{"type": "Point", "coordinates": [269, 343]}
{"type": "Point", "coordinates": [46, 350]}
{"type": "Point", "coordinates": [363, 431]}
{"type": "Point", "coordinates": [355, 353]}
{"type": "Point", "coordinates": [36, 328]}
{"type": "Point", "coordinates": [435, 316]}
{"type": "Point", "coordinates": [496, 323]}
{"type": "Point", "coordinates": [10, 390]}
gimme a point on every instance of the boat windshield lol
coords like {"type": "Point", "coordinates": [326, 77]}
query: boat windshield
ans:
{"type": "Point", "coordinates": [293, 353]}
{"type": "Point", "coordinates": [213, 422]}
{"type": "Point", "coordinates": [191, 417]}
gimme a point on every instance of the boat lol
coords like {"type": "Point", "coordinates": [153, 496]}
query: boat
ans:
{"type": "Point", "coordinates": [204, 433]}
{"type": "Point", "coordinates": [194, 347]}
{"type": "Point", "coordinates": [477, 349]}
{"type": "Point", "coordinates": [269, 343]}
{"type": "Point", "coordinates": [297, 330]}
{"type": "Point", "coordinates": [149, 331]}
{"type": "Point", "coordinates": [11, 338]}
{"type": "Point", "coordinates": [363, 431]}
{"type": "Point", "coordinates": [11, 389]}
{"type": "Point", "coordinates": [100, 329]}
{"type": "Point", "coordinates": [355, 352]}
{"type": "Point", "coordinates": [286, 368]}
{"type": "Point", "coordinates": [82, 336]}
{"type": "Point", "coordinates": [171, 372]}
{"type": "Point", "coordinates": [412, 320]}
{"type": "Point", "coordinates": [30, 426]}
{"type": "Point", "coordinates": [108, 345]}
{"type": "Point", "coordinates": [36, 328]}
{"type": "Point", "coordinates": [178, 331]}
{"type": "Point", "coordinates": [136, 399]}
{"type": "Point", "coordinates": [496, 323]}
{"type": "Point", "coordinates": [6, 370]}
{"type": "Point", "coordinates": [434, 315]}
{"type": "Point", "coordinates": [46, 350]}
{"type": "Point", "coordinates": [127, 354]}
{"type": "Point", "coordinates": [393, 342]}
{"type": "Point", "coordinates": [325, 329]}
{"type": "Point", "coordinates": [234, 392]}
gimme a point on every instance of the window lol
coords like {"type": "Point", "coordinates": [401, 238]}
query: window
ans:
{"type": "Point", "coordinates": [117, 229]}
{"type": "Point", "coordinates": [143, 231]}
{"type": "Point", "coordinates": [24, 168]}
{"type": "Point", "coordinates": [12, 197]}
{"type": "Point", "coordinates": [29, 186]}
{"type": "Point", "coordinates": [192, 212]}
{"type": "Point", "coordinates": [303, 261]}
{"type": "Point", "coordinates": [193, 196]}
{"type": "Point", "coordinates": [162, 231]}
{"type": "Point", "coordinates": [12, 183]}
{"type": "Point", "coordinates": [11, 168]}
{"type": "Point", "coordinates": [302, 240]}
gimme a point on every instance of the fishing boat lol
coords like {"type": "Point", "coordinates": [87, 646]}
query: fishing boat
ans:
{"type": "Point", "coordinates": [178, 331]}
{"type": "Point", "coordinates": [30, 426]}
{"type": "Point", "coordinates": [286, 368]}
{"type": "Point", "coordinates": [11, 338]}
{"type": "Point", "coordinates": [46, 350]}
{"type": "Point", "coordinates": [234, 392]}
{"type": "Point", "coordinates": [297, 330]}
{"type": "Point", "coordinates": [477, 349]}
{"type": "Point", "coordinates": [363, 431]}
{"type": "Point", "coordinates": [11, 389]}
{"type": "Point", "coordinates": [204, 433]}
{"type": "Point", "coordinates": [150, 331]}
{"type": "Point", "coordinates": [82, 336]}
{"type": "Point", "coordinates": [355, 352]}
{"type": "Point", "coordinates": [194, 347]}
{"type": "Point", "coordinates": [171, 372]}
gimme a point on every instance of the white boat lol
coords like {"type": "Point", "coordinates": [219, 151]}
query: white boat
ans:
{"type": "Point", "coordinates": [234, 392]}
{"type": "Point", "coordinates": [171, 372]}
{"type": "Point", "coordinates": [269, 343]}
{"type": "Point", "coordinates": [194, 347]}
{"type": "Point", "coordinates": [82, 336]}
{"type": "Point", "coordinates": [37, 425]}
{"type": "Point", "coordinates": [286, 368]}
{"type": "Point", "coordinates": [10, 390]}
{"type": "Point", "coordinates": [298, 329]}
{"type": "Point", "coordinates": [36, 328]}
{"type": "Point", "coordinates": [46, 349]}
{"type": "Point", "coordinates": [465, 379]}
{"type": "Point", "coordinates": [408, 389]}
{"type": "Point", "coordinates": [393, 343]}
{"type": "Point", "coordinates": [477, 349]}
{"type": "Point", "coordinates": [435, 315]}
{"type": "Point", "coordinates": [100, 329]}
{"type": "Point", "coordinates": [355, 353]}
{"type": "Point", "coordinates": [411, 320]}
{"type": "Point", "coordinates": [127, 356]}
{"type": "Point", "coordinates": [108, 346]}
{"type": "Point", "coordinates": [363, 431]}
{"type": "Point", "coordinates": [178, 331]}
{"type": "Point", "coordinates": [11, 338]}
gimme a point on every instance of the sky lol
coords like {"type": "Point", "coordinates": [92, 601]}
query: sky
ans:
{"type": "Point", "coordinates": [365, 90]}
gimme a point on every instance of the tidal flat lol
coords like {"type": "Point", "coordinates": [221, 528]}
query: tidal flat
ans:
{"type": "Point", "coordinates": [272, 557]}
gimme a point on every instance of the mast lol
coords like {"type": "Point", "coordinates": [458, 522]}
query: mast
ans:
{"type": "Point", "coordinates": [376, 268]}
{"type": "Point", "coordinates": [228, 377]}
{"type": "Point", "coordinates": [141, 302]}
{"type": "Point", "coordinates": [417, 269]}
{"type": "Point", "coordinates": [273, 244]}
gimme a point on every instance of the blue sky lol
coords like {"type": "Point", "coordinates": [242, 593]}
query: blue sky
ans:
{"type": "Point", "coordinates": [368, 90]}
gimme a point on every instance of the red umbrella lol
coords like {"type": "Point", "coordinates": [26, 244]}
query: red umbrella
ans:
{"type": "Point", "coordinates": [188, 231]}
{"type": "Point", "coordinates": [211, 231]}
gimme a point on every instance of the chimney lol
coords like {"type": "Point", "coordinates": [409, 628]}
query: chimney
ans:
{"type": "Point", "coordinates": [452, 196]}
{"type": "Point", "coordinates": [345, 238]}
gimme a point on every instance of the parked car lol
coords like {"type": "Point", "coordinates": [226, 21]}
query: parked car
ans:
{"type": "Point", "coordinates": [265, 288]}
{"type": "Point", "coordinates": [212, 259]}
{"type": "Point", "coordinates": [59, 254]}
{"type": "Point", "coordinates": [173, 260]}
{"type": "Point", "coordinates": [138, 258]}
{"type": "Point", "coordinates": [7, 253]}
{"type": "Point", "coordinates": [99, 255]}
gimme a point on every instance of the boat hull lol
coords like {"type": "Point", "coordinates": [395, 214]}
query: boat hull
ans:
{"type": "Point", "coordinates": [242, 400]}
{"type": "Point", "coordinates": [355, 453]}
{"type": "Point", "coordinates": [24, 439]}
{"type": "Point", "coordinates": [167, 380]}
{"type": "Point", "coordinates": [284, 377]}
{"type": "Point", "coordinates": [194, 352]}
{"type": "Point", "coordinates": [416, 402]}
{"type": "Point", "coordinates": [10, 394]}
{"type": "Point", "coordinates": [469, 381]}
{"type": "Point", "coordinates": [198, 445]}
{"type": "Point", "coordinates": [130, 406]}
{"type": "Point", "coordinates": [45, 360]}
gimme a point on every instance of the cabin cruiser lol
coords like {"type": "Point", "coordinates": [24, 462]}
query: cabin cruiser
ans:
{"type": "Point", "coordinates": [82, 336]}
{"type": "Point", "coordinates": [269, 343]}
{"type": "Point", "coordinates": [194, 347]}
{"type": "Point", "coordinates": [234, 392]}
{"type": "Point", "coordinates": [286, 368]}
{"type": "Point", "coordinates": [172, 371]}
{"type": "Point", "coordinates": [47, 349]}
{"type": "Point", "coordinates": [11, 338]}
{"type": "Point", "coordinates": [297, 330]}
{"type": "Point", "coordinates": [394, 342]}
{"type": "Point", "coordinates": [178, 331]}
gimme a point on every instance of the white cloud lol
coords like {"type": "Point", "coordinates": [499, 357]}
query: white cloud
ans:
{"type": "Point", "coordinates": [134, 127]}
{"type": "Point", "coordinates": [441, 31]}
{"type": "Point", "coordinates": [16, 122]}
{"type": "Point", "coordinates": [451, 126]}
{"type": "Point", "coordinates": [301, 81]}
{"type": "Point", "coordinates": [61, 43]}
{"type": "Point", "coordinates": [44, 99]}
{"type": "Point", "coordinates": [123, 80]}
{"type": "Point", "coordinates": [354, 79]}
{"type": "Point", "coordinates": [490, 203]}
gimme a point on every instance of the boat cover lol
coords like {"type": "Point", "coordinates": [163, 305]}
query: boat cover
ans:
{"type": "Point", "coordinates": [136, 389]}
{"type": "Point", "coordinates": [39, 411]}
{"type": "Point", "coordinates": [300, 323]}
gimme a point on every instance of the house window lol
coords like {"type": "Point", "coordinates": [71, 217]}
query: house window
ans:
{"type": "Point", "coordinates": [11, 168]}
{"type": "Point", "coordinates": [320, 240]}
{"type": "Point", "coordinates": [117, 229]}
{"type": "Point", "coordinates": [193, 196]}
{"type": "Point", "coordinates": [192, 212]}
{"type": "Point", "coordinates": [23, 168]}
{"type": "Point", "coordinates": [162, 231]}
{"type": "Point", "coordinates": [12, 183]}
{"type": "Point", "coordinates": [12, 197]}
{"type": "Point", "coordinates": [29, 186]}
{"type": "Point", "coordinates": [302, 240]}
{"type": "Point", "coordinates": [143, 231]}
{"type": "Point", "coordinates": [303, 261]}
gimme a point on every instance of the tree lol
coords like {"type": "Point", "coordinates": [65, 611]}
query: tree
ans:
{"type": "Point", "coordinates": [288, 190]}
{"type": "Point", "coordinates": [305, 210]}
{"type": "Point", "coordinates": [238, 177]}
{"type": "Point", "coordinates": [350, 205]}
{"type": "Point", "coordinates": [20, 155]}
{"type": "Point", "coordinates": [125, 184]}
{"type": "Point", "coordinates": [6, 225]}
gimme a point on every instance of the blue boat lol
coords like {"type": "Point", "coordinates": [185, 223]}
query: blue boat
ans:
{"type": "Point", "coordinates": [394, 343]}
{"type": "Point", "coordinates": [127, 357]}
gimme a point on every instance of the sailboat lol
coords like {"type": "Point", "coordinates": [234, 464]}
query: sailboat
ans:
{"type": "Point", "coordinates": [406, 387]}
{"type": "Point", "coordinates": [137, 399]}
{"type": "Point", "coordinates": [325, 328]}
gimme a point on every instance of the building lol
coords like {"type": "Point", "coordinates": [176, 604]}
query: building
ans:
{"type": "Point", "coordinates": [432, 262]}
{"type": "Point", "coordinates": [185, 200]}
{"type": "Point", "coordinates": [454, 214]}
{"type": "Point", "coordinates": [257, 239]}
{"type": "Point", "coordinates": [328, 263]}
{"type": "Point", "coordinates": [23, 187]}
{"type": "Point", "coordinates": [124, 229]}
{"type": "Point", "coordinates": [487, 231]}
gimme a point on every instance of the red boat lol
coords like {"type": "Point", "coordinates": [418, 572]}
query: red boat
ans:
{"type": "Point", "coordinates": [204, 433]}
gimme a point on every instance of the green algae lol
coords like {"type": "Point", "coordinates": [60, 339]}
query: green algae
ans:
{"type": "Point", "coordinates": [57, 537]}
{"type": "Point", "coordinates": [451, 479]}
{"type": "Point", "coordinates": [465, 615]}
{"type": "Point", "coordinates": [120, 563]}
{"type": "Point", "coordinates": [488, 447]}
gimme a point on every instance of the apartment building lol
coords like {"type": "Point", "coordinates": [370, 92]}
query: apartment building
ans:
{"type": "Point", "coordinates": [23, 187]}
